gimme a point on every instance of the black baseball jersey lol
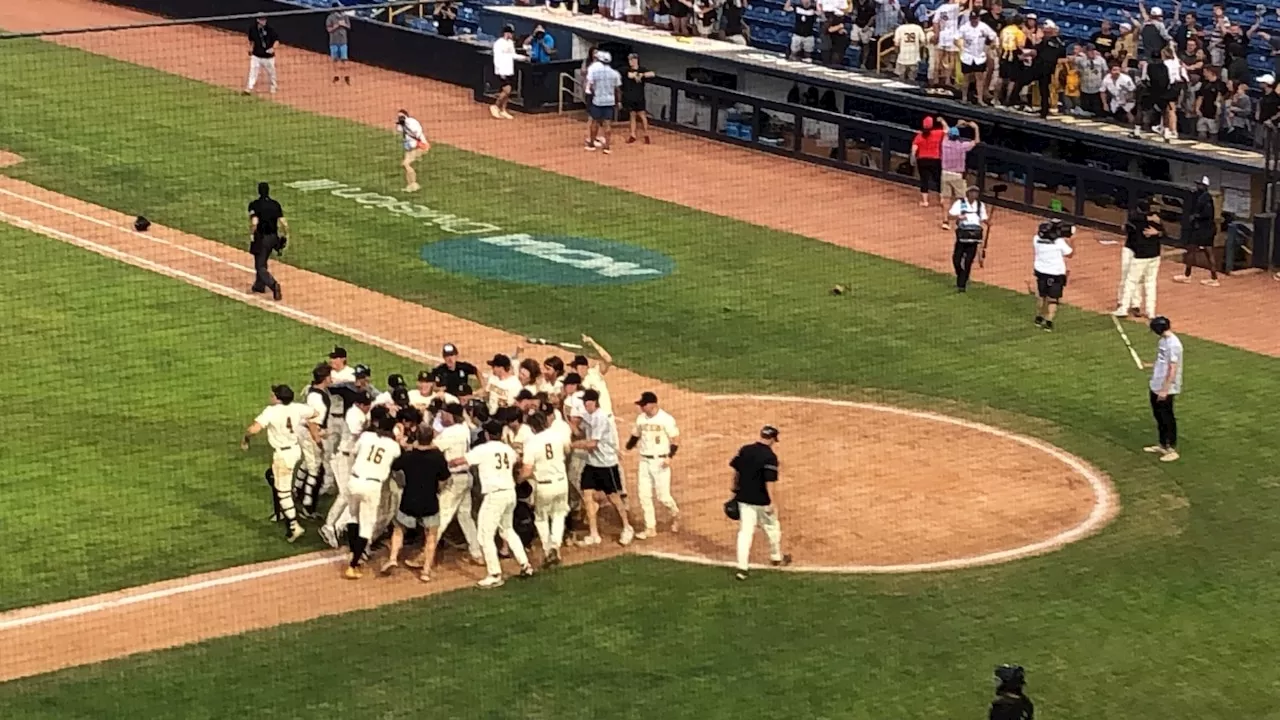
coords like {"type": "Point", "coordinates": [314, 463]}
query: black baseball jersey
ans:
{"type": "Point", "coordinates": [453, 381]}
{"type": "Point", "coordinates": [268, 212]}
{"type": "Point", "coordinates": [264, 40]}
{"type": "Point", "coordinates": [757, 466]}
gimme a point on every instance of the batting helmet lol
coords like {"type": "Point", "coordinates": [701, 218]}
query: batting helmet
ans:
{"type": "Point", "coordinates": [1160, 324]}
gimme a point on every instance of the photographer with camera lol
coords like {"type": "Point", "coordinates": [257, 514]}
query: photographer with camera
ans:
{"type": "Point", "coordinates": [972, 223]}
{"type": "Point", "coordinates": [540, 46]}
{"type": "Point", "coordinates": [1011, 702]}
{"type": "Point", "coordinates": [1050, 266]}
{"type": "Point", "coordinates": [268, 230]}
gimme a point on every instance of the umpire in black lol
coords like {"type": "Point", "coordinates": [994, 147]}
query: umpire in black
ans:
{"type": "Point", "coordinates": [269, 233]}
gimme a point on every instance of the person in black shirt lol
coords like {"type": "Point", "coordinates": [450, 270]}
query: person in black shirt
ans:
{"type": "Point", "coordinates": [1105, 39]}
{"type": "Point", "coordinates": [452, 375]}
{"type": "Point", "coordinates": [1011, 702]}
{"type": "Point", "coordinates": [1200, 227]}
{"type": "Point", "coordinates": [1140, 266]}
{"type": "Point", "coordinates": [262, 53]}
{"type": "Point", "coordinates": [446, 13]}
{"type": "Point", "coordinates": [424, 469]}
{"type": "Point", "coordinates": [837, 38]}
{"type": "Point", "coordinates": [268, 230]}
{"type": "Point", "coordinates": [1209, 97]}
{"type": "Point", "coordinates": [1047, 54]}
{"type": "Point", "coordinates": [633, 100]}
{"type": "Point", "coordinates": [802, 32]}
{"type": "Point", "coordinates": [731, 19]}
{"type": "Point", "coordinates": [755, 467]}
{"type": "Point", "coordinates": [1235, 52]}
{"type": "Point", "coordinates": [864, 27]}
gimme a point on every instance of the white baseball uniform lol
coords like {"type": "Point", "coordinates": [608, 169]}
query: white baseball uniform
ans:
{"type": "Point", "coordinates": [496, 462]}
{"type": "Point", "coordinates": [656, 436]}
{"type": "Point", "coordinates": [593, 380]}
{"type": "Point", "coordinates": [502, 392]}
{"type": "Point", "coordinates": [370, 469]}
{"type": "Point", "coordinates": [574, 408]}
{"type": "Point", "coordinates": [356, 422]}
{"type": "Point", "coordinates": [282, 423]}
{"type": "Point", "coordinates": [455, 493]}
{"type": "Point", "coordinates": [314, 456]}
{"type": "Point", "coordinates": [545, 452]}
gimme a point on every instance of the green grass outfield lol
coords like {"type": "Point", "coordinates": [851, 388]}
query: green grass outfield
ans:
{"type": "Point", "coordinates": [1168, 614]}
{"type": "Point", "coordinates": [127, 394]}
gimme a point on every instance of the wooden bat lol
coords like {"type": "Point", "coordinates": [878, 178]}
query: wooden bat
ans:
{"type": "Point", "coordinates": [1125, 337]}
{"type": "Point", "coordinates": [544, 341]}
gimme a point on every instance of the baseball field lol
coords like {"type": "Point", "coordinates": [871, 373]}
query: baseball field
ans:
{"type": "Point", "coordinates": [959, 489]}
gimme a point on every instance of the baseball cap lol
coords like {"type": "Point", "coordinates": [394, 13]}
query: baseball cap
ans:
{"type": "Point", "coordinates": [524, 395]}
{"type": "Point", "coordinates": [361, 398]}
{"type": "Point", "coordinates": [1204, 181]}
{"type": "Point", "coordinates": [1125, 27]}
{"type": "Point", "coordinates": [399, 395]}
{"type": "Point", "coordinates": [338, 352]}
{"type": "Point", "coordinates": [953, 132]}
{"type": "Point", "coordinates": [501, 361]}
{"type": "Point", "coordinates": [769, 432]}
{"type": "Point", "coordinates": [395, 381]}
{"type": "Point", "coordinates": [449, 349]}
{"type": "Point", "coordinates": [1051, 25]}
{"type": "Point", "coordinates": [647, 398]}
{"type": "Point", "coordinates": [508, 29]}
{"type": "Point", "coordinates": [1267, 79]}
{"type": "Point", "coordinates": [578, 361]}
{"type": "Point", "coordinates": [1155, 12]}
{"type": "Point", "coordinates": [572, 379]}
{"type": "Point", "coordinates": [590, 395]}
{"type": "Point", "coordinates": [454, 409]}
{"type": "Point", "coordinates": [927, 123]}
{"type": "Point", "coordinates": [604, 57]}
{"type": "Point", "coordinates": [363, 371]}
{"type": "Point", "coordinates": [424, 376]}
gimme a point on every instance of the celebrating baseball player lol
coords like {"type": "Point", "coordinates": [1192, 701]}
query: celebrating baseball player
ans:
{"type": "Point", "coordinates": [376, 450]}
{"type": "Point", "coordinates": [496, 462]}
{"type": "Point", "coordinates": [355, 422]}
{"type": "Point", "coordinates": [285, 421]}
{"type": "Point", "coordinates": [755, 469]}
{"type": "Point", "coordinates": [656, 434]}
{"type": "Point", "coordinates": [314, 458]}
{"type": "Point", "coordinates": [455, 493]}
{"type": "Point", "coordinates": [543, 461]}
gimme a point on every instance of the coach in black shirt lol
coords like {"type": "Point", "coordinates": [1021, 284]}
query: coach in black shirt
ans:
{"type": "Point", "coordinates": [424, 469]}
{"type": "Point", "coordinates": [262, 53]}
{"type": "Point", "coordinates": [452, 374]}
{"type": "Point", "coordinates": [755, 467]}
{"type": "Point", "coordinates": [268, 229]}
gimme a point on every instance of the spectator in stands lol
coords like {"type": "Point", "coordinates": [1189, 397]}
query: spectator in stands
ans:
{"type": "Point", "coordinates": [1193, 59]}
{"type": "Point", "coordinates": [337, 24]}
{"type": "Point", "coordinates": [916, 11]}
{"type": "Point", "coordinates": [1188, 30]}
{"type": "Point", "coordinates": [1154, 35]}
{"type": "Point", "coordinates": [888, 18]}
{"type": "Point", "coordinates": [926, 156]}
{"type": "Point", "coordinates": [837, 38]}
{"type": "Point", "coordinates": [993, 17]}
{"type": "Point", "coordinates": [1093, 70]}
{"type": "Point", "coordinates": [662, 13]}
{"type": "Point", "coordinates": [955, 150]}
{"type": "Point", "coordinates": [681, 12]}
{"type": "Point", "coordinates": [1126, 52]}
{"type": "Point", "coordinates": [1213, 33]}
{"type": "Point", "coordinates": [1199, 229]}
{"type": "Point", "coordinates": [945, 21]}
{"type": "Point", "coordinates": [1043, 61]}
{"type": "Point", "coordinates": [975, 37]}
{"type": "Point", "coordinates": [1239, 115]}
{"type": "Point", "coordinates": [1166, 79]}
{"type": "Point", "coordinates": [1268, 108]}
{"type": "Point", "coordinates": [1013, 39]}
{"type": "Point", "coordinates": [1272, 41]}
{"type": "Point", "coordinates": [446, 15]}
{"type": "Point", "coordinates": [864, 25]}
{"type": "Point", "coordinates": [1067, 80]}
{"type": "Point", "coordinates": [1119, 93]}
{"type": "Point", "coordinates": [1235, 52]}
{"type": "Point", "coordinates": [706, 17]}
{"type": "Point", "coordinates": [806, 16]}
{"type": "Point", "coordinates": [1105, 40]}
{"type": "Point", "coordinates": [732, 27]}
{"type": "Point", "coordinates": [1208, 104]}
{"type": "Point", "coordinates": [540, 46]}
{"type": "Point", "coordinates": [633, 96]}
{"type": "Point", "coordinates": [909, 39]}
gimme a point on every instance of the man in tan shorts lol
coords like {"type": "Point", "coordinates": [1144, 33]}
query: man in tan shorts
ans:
{"type": "Point", "coordinates": [954, 151]}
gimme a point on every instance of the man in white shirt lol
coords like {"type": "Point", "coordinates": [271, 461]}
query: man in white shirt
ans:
{"type": "Point", "coordinates": [501, 388]}
{"type": "Point", "coordinates": [602, 86]}
{"type": "Point", "coordinates": [355, 422]}
{"type": "Point", "coordinates": [282, 419]}
{"type": "Point", "coordinates": [496, 462]}
{"type": "Point", "coordinates": [339, 371]}
{"type": "Point", "coordinates": [975, 36]}
{"type": "Point", "coordinates": [972, 221]}
{"type": "Point", "coordinates": [504, 68]}
{"type": "Point", "coordinates": [1165, 385]}
{"type": "Point", "coordinates": [316, 456]}
{"type": "Point", "coordinates": [908, 38]}
{"type": "Point", "coordinates": [1120, 94]}
{"type": "Point", "coordinates": [573, 410]}
{"type": "Point", "coordinates": [593, 375]}
{"type": "Point", "coordinates": [600, 476]}
{"type": "Point", "coordinates": [945, 19]}
{"type": "Point", "coordinates": [543, 462]}
{"type": "Point", "coordinates": [374, 453]}
{"type": "Point", "coordinates": [1050, 267]}
{"type": "Point", "coordinates": [415, 145]}
{"type": "Point", "coordinates": [656, 435]}
{"type": "Point", "coordinates": [454, 439]}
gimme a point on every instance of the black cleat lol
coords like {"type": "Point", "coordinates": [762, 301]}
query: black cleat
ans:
{"type": "Point", "coordinates": [275, 293]}
{"type": "Point", "coordinates": [1039, 321]}
{"type": "Point", "coordinates": [1048, 326]}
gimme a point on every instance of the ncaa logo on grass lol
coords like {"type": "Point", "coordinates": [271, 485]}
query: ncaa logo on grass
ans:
{"type": "Point", "coordinates": [543, 260]}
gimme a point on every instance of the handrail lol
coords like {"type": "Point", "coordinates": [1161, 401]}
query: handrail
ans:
{"type": "Point", "coordinates": [573, 88]}
{"type": "Point", "coordinates": [880, 52]}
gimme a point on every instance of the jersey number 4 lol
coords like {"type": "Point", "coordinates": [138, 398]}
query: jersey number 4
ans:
{"type": "Point", "coordinates": [375, 455]}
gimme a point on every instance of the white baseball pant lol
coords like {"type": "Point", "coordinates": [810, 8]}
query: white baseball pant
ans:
{"type": "Point", "coordinates": [455, 500]}
{"type": "Point", "coordinates": [282, 464]}
{"type": "Point", "coordinates": [576, 462]}
{"type": "Point", "coordinates": [388, 504]}
{"type": "Point", "coordinates": [497, 515]}
{"type": "Point", "coordinates": [338, 516]}
{"type": "Point", "coordinates": [749, 517]}
{"type": "Point", "coordinates": [329, 447]}
{"type": "Point", "coordinates": [257, 64]}
{"type": "Point", "coordinates": [1143, 273]}
{"type": "Point", "coordinates": [313, 458]}
{"type": "Point", "coordinates": [365, 496]}
{"type": "Point", "coordinates": [1126, 257]}
{"type": "Point", "coordinates": [550, 507]}
{"type": "Point", "coordinates": [654, 476]}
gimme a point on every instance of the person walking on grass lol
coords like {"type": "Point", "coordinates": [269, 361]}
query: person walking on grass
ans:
{"type": "Point", "coordinates": [633, 99]}
{"type": "Point", "coordinates": [262, 53]}
{"type": "Point", "coordinates": [1165, 385]}
{"type": "Point", "coordinates": [338, 24]}
{"type": "Point", "coordinates": [602, 85]}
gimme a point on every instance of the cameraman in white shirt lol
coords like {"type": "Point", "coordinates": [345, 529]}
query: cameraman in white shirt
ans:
{"type": "Point", "coordinates": [1050, 266]}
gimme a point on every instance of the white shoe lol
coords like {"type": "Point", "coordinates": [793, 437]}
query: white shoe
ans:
{"type": "Point", "coordinates": [491, 581]}
{"type": "Point", "coordinates": [327, 535]}
{"type": "Point", "coordinates": [526, 571]}
{"type": "Point", "coordinates": [1155, 449]}
{"type": "Point", "coordinates": [627, 536]}
{"type": "Point", "coordinates": [507, 116]}
{"type": "Point", "coordinates": [1119, 312]}
{"type": "Point", "coordinates": [298, 530]}
{"type": "Point", "coordinates": [412, 187]}
{"type": "Point", "coordinates": [1181, 279]}
{"type": "Point", "coordinates": [591, 540]}
{"type": "Point", "coordinates": [646, 534]}
{"type": "Point", "coordinates": [495, 112]}
{"type": "Point", "coordinates": [1170, 456]}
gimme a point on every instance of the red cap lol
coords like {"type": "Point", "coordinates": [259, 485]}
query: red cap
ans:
{"type": "Point", "coordinates": [928, 123]}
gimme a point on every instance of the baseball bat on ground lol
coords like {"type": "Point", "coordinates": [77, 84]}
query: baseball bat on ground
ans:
{"type": "Point", "coordinates": [544, 341]}
{"type": "Point", "coordinates": [1125, 337]}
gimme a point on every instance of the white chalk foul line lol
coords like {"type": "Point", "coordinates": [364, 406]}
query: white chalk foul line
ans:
{"type": "Point", "coordinates": [1104, 503]}
{"type": "Point", "coordinates": [180, 589]}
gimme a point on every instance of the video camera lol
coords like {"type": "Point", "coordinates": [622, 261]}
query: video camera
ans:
{"type": "Point", "coordinates": [1055, 229]}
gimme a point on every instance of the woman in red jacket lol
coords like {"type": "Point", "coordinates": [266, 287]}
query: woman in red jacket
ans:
{"type": "Point", "coordinates": [926, 156]}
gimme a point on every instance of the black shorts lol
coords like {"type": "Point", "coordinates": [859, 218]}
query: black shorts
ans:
{"type": "Point", "coordinates": [930, 174]}
{"type": "Point", "coordinates": [1050, 286]}
{"type": "Point", "coordinates": [605, 479]}
{"type": "Point", "coordinates": [633, 104]}
{"type": "Point", "coordinates": [968, 69]}
{"type": "Point", "coordinates": [1011, 70]}
{"type": "Point", "coordinates": [506, 81]}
